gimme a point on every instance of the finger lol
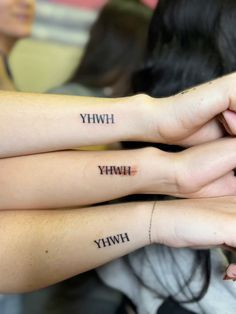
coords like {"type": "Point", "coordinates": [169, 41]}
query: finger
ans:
{"type": "Point", "coordinates": [201, 104]}
{"type": "Point", "coordinates": [229, 121]}
{"type": "Point", "coordinates": [205, 163]}
{"type": "Point", "coordinates": [209, 132]}
{"type": "Point", "coordinates": [230, 273]}
{"type": "Point", "coordinates": [224, 123]}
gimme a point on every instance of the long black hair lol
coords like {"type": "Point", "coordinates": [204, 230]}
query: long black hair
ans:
{"type": "Point", "coordinates": [189, 42]}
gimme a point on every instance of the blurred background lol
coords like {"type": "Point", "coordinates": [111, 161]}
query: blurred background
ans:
{"type": "Point", "coordinates": [60, 33]}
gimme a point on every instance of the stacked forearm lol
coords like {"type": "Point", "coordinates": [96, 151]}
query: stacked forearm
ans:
{"type": "Point", "coordinates": [76, 178]}
{"type": "Point", "coordinates": [33, 123]}
{"type": "Point", "coordinates": [42, 247]}
{"type": "Point", "coordinates": [39, 248]}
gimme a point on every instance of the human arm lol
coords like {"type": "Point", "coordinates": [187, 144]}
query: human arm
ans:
{"type": "Point", "coordinates": [40, 248]}
{"type": "Point", "coordinates": [192, 117]}
{"type": "Point", "coordinates": [75, 178]}
{"type": "Point", "coordinates": [33, 123]}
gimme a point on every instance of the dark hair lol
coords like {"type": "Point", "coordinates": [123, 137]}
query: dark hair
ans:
{"type": "Point", "coordinates": [116, 46]}
{"type": "Point", "coordinates": [189, 42]}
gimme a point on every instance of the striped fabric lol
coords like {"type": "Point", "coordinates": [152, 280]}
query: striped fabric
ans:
{"type": "Point", "coordinates": [68, 21]}
{"type": "Point", "coordinates": [63, 23]}
{"type": "Point", "coordinates": [89, 4]}
{"type": "Point", "coordinates": [95, 4]}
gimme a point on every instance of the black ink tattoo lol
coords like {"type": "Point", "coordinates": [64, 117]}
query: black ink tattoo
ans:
{"type": "Point", "coordinates": [184, 92]}
{"type": "Point", "coordinates": [117, 170]}
{"type": "Point", "coordinates": [187, 90]}
{"type": "Point", "coordinates": [97, 118]}
{"type": "Point", "coordinates": [150, 225]}
{"type": "Point", "coordinates": [112, 240]}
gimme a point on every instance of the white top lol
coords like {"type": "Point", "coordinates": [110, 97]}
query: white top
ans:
{"type": "Point", "coordinates": [159, 273]}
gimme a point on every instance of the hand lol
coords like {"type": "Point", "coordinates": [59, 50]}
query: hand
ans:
{"type": "Point", "coordinates": [191, 117]}
{"type": "Point", "coordinates": [205, 170]}
{"type": "Point", "coordinates": [199, 223]}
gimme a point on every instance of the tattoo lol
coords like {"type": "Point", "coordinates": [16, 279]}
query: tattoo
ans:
{"type": "Point", "coordinates": [150, 224]}
{"type": "Point", "coordinates": [184, 92]}
{"type": "Point", "coordinates": [187, 90]}
{"type": "Point", "coordinates": [118, 170]}
{"type": "Point", "coordinates": [97, 118]}
{"type": "Point", "coordinates": [192, 89]}
{"type": "Point", "coordinates": [112, 240]}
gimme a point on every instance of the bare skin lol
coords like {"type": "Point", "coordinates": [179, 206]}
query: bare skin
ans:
{"type": "Point", "coordinates": [39, 248]}
{"type": "Point", "coordinates": [43, 247]}
{"type": "Point", "coordinates": [33, 123]}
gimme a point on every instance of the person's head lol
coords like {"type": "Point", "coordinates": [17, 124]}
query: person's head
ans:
{"type": "Point", "coordinates": [190, 42]}
{"type": "Point", "coordinates": [116, 46]}
{"type": "Point", "coordinates": [16, 18]}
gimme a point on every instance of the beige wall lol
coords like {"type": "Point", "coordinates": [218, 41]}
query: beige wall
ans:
{"type": "Point", "coordinates": [38, 66]}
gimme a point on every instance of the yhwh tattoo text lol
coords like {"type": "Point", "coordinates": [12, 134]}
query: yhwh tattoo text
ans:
{"type": "Point", "coordinates": [117, 170]}
{"type": "Point", "coordinates": [112, 240]}
{"type": "Point", "coordinates": [95, 118]}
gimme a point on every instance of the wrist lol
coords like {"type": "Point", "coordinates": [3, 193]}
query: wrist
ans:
{"type": "Point", "coordinates": [139, 115]}
{"type": "Point", "coordinates": [143, 223]}
{"type": "Point", "coordinates": [162, 222]}
{"type": "Point", "coordinates": [167, 223]}
{"type": "Point", "coordinates": [152, 116]}
{"type": "Point", "coordinates": [157, 173]}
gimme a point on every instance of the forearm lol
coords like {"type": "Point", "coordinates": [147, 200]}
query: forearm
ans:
{"type": "Point", "coordinates": [76, 178]}
{"type": "Point", "coordinates": [33, 123]}
{"type": "Point", "coordinates": [40, 248]}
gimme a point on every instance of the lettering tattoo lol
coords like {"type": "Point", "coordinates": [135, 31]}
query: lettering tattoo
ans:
{"type": "Point", "coordinates": [94, 118]}
{"type": "Point", "coordinates": [117, 170]}
{"type": "Point", "coordinates": [187, 91]}
{"type": "Point", "coordinates": [112, 240]}
{"type": "Point", "coordinates": [150, 224]}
